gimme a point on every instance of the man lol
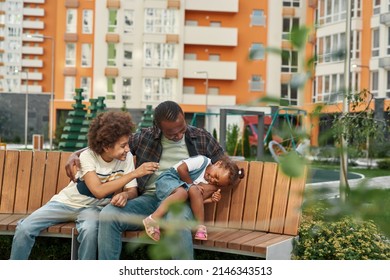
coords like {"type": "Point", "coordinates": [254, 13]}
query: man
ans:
{"type": "Point", "coordinates": [167, 142]}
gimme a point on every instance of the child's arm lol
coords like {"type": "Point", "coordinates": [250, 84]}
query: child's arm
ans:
{"type": "Point", "coordinates": [121, 198]}
{"type": "Point", "coordinates": [101, 190]}
{"type": "Point", "coordinates": [184, 174]}
{"type": "Point", "coordinates": [215, 197]}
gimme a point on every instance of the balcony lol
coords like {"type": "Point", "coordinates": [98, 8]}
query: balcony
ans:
{"type": "Point", "coordinates": [32, 50]}
{"type": "Point", "coordinates": [32, 63]}
{"type": "Point", "coordinates": [384, 62]}
{"type": "Point", "coordinates": [211, 36]}
{"type": "Point", "coordinates": [33, 24]}
{"type": "Point", "coordinates": [227, 6]}
{"type": "Point", "coordinates": [34, 1]}
{"type": "Point", "coordinates": [36, 12]}
{"type": "Point", "coordinates": [221, 70]}
{"type": "Point", "coordinates": [385, 19]}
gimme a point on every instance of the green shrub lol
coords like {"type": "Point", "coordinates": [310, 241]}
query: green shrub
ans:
{"type": "Point", "coordinates": [384, 164]}
{"type": "Point", "coordinates": [343, 239]}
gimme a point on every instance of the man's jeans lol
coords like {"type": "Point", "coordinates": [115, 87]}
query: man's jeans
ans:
{"type": "Point", "coordinates": [113, 221]}
{"type": "Point", "coordinates": [51, 214]}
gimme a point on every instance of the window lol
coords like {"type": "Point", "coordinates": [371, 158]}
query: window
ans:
{"type": "Point", "coordinates": [257, 51]}
{"type": "Point", "coordinates": [332, 47]}
{"type": "Point", "coordinates": [388, 40]}
{"type": "Point", "coordinates": [85, 84]}
{"type": "Point", "coordinates": [127, 55]}
{"type": "Point", "coordinates": [335, 10]}
{"type": "Point", "coordinates": [111, 54]}
{"type": "Point", "coordinates": [375, 42]}
{"type": "Point", "coordinates": [288, 25]}
{"type": "Point", "coordinates": [289, 61]}
{"type": "Point", "coordinates": [112, 20]}
{"type": "Point", "coordinates": [374, 83]}
{"type": "Point", "coordinates": [215, 24]}
{"type": "Point", "coordinates": [69, 89]}
{"type": "Point", "coordinates": [289, 95]}
{"type": "Point", "coordinates": [214, 57]}
{"type": "Point", "coordinates": [329, 88]}
{"type": "Point", "coordinates": [291, 3]}
{"type": "Point", "coordinates": [110, 88]}
{"type": "Point", "coordinates": [256, 84]}
{"type": "Point", "coordinates": [388, 84]}
{"type": "Point", "coordinates": [126, 89]}
{"type": "Point", "coordinates": [157, 89]}
{"type": "Point", "coordinates": [128, 26]}
{"type": "Point", "coordinates": [163, 21]}
{"type": "Point", "coordinates": [71, 21]}
{"type": "Point", "coordinates": [257, 18]}
{"type": "Point", "coordinates": [377, 7]}
{"type": "Point", "coordinates": [70, 54]}
{"type": "Point", "coordinates": [86, 55]}
{"type": "Point", "coordinates": [87, 21]}
{"type": "Point", "coordinates": [160, 55]}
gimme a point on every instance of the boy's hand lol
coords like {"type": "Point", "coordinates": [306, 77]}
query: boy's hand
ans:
{"type": "Point", "coordinates": [146, 168]}
{"type": "Point", "coordinates": [216, 196]}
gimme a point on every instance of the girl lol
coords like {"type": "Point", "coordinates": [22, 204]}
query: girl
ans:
{"type": "Point", "coordinates": [183, 180]}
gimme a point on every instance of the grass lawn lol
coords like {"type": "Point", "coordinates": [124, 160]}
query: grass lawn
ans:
{"type": "Point", "coordinates": [367, 172]}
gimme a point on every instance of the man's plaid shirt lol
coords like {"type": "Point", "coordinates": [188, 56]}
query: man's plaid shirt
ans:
{"type": "Point", "coordinates": [146, 146]}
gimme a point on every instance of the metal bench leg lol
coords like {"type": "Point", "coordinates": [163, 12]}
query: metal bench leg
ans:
{"type": "Point", "coordinates": [75, 246]}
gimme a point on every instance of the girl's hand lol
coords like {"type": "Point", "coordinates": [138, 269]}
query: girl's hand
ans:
{"type": "Point", "coordinates": [216, 196]}
{"type": "Point", "coordinates": [146, 168]}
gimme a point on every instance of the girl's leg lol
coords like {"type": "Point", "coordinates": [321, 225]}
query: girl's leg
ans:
{"type": "Point", "coordinates": [197, 206]}
{"type": "Point", "coordinates": [29, 228]}
{"type": "Point", "coordinates": [178, 195]}
{"type": "Point", "coordinates": [196, 202]}
{"type": "Point", "coordinates": [152, 227]}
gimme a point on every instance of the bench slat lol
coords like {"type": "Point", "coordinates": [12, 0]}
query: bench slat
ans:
{"type": "Point", "coordinates": [51, 176]}
{"type": "Point", "coordinates": [265, 205]}
{"type": "Point", "coordinates": [253, 188]}
{"type": "Point", "coordinates": [236, 206]}
{"type": "Point", "coordinates": [37, 181]}
{"type": "Point", "coordinates": [295, 201]}
{"type": "Point", "coordinates": [2, 162]}
{"type": "Point", "coordinates": [9, 182]}
{"type": "Point", "coordinates": [279, 207]}
{"type": "Point", "coordinates": [23, 182]}
{"type": "Point", "coordinates": [63, 180]}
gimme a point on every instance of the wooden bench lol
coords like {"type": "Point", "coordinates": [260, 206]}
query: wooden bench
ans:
{"type": "Point", "coordinates": [260, 217]}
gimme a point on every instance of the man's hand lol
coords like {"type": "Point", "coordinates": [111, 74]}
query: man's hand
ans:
{"type": "Point", "coordinates": [73, 161]}
{"type": "Point", "coordinates": [216, 196]}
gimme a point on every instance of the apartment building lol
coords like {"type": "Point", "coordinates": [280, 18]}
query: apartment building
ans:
{"type": "Point", "coordinates": [203, 54]}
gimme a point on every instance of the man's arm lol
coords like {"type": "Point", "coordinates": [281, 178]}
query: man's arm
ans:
{"type": "Point", "coordinates": [73, 161]}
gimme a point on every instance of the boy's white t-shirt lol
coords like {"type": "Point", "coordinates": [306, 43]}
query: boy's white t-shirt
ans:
{"type": "Point", "coordinates": [194, 163]}
{"type": "Point", "coordinates": [106, 171]}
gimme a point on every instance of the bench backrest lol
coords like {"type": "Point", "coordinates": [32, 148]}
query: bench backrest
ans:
{"type": "Point", "coordinates": [265, 200]}
{"type": "Point", "coordinates": [29, 179]}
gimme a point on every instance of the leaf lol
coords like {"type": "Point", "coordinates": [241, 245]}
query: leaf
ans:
{"type": "Point", "coordinates": [298, 36]}
{"type": "Point", "coordinates": [292, 164]}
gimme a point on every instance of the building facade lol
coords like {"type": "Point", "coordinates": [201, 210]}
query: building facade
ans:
{"type": "Point", "coordinates": [203, 54]}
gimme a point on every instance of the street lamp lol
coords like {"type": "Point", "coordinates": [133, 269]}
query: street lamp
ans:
{"type": "Point", "coordinates": [25, 107]}
{"type": "Point", "coordinates": [207, 85]}
{"type": "Point", "coordinates": [206, 90]}
{"type": "Point", "coordinates": [52, 84]}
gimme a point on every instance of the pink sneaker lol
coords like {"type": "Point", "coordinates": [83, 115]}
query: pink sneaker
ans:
{"type": "Point", "coordinates": [201, 233]}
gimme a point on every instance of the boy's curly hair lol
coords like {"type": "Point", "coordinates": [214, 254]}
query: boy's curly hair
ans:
{"type": "Point", "coordinates": [106, 129]}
